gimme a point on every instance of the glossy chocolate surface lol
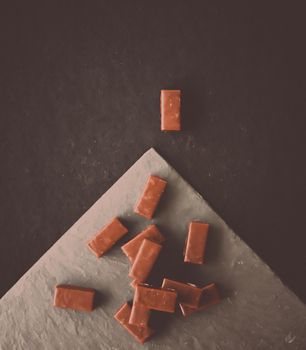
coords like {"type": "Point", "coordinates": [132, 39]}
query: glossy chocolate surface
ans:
{"type": "Point", "coordinates": [170, 106]}
{"type": "Point", "coordinates": [131, 248]}
{"type": "Point", "coordinates": [145, 260]}
{"type": "Point", "coordinates": [140, 315]}
{"type": "Point", "coordinates": [150, 196]}
{"type": "Point", "coordinates": [141, 334]}
{"type": "Point", "coordinates": [196, 242]}
{"type": "Point", "coordinates": [107, 237]}
{"type": "Point", "coordinates": [73, 297]}
{"type": "Point", "coordinates": [187, 294]}
{"type": "Point", "coordinates": [210, 296]}
{"type": "Point", "coordinates": [156, 298]}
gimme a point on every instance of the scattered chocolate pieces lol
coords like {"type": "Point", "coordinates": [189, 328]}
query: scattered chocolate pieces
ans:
{"type": "Point", "coordinates": [141, 334]}
{"type": "Point", "coordinates": [145, 259]}
{"type": "Point", "coordinates": [72, 297]}
{"type": "Point", "coordinates": [155, 298]}
{"type": "Point", "coordinates": [196, 242]}
{"type": "Point", "coordinates": [210, 296]}
{"type": "Point", "coordinates": [170, 105]}
{"type": "Point", "coordinates": [107, 237]}
{"type": "Point", "coordinates": [143, 251]}
{"type": "Point", "coordinates": [187, 294]}
{"type": "Point", "coordinates": [131, 248]}
{"type": "Point", "coordinates": [150, 197]}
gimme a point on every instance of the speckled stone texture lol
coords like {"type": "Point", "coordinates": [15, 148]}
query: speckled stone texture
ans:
{"type": "Point", "coordinates": [257, 310]}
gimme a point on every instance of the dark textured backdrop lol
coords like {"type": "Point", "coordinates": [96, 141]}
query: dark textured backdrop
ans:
{"type": "Point", "coordinates": [79, 102]}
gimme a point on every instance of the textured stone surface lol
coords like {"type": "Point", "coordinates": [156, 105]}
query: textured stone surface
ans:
{"type": "Point", "coordinates": [257, 311]}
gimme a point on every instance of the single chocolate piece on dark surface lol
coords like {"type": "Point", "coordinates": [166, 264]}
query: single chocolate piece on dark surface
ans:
{"type": "Point", "coordinates": [170, 106]}
{"type": "Point", "coordinates": [150, 197]}
{"type": "Point", "coordinates": [210, 296]}
{"type": "Point", "coordinates": [196, 242]}
{"type": "Point", "coordinates": [156, 298]}
{"type": "Point", "coordinates": [141, 334]}
{"type": "Point", "coordinates": [107, 237]}
{"type": "Point", "coordinates": [140, 315]}
{"type": "Point", "coordinates": [73, 297]}
{"type": "Point", "coordinates": [187, 294]}
{"type": "Point", "coordinates": [131, 248]}
{"type": "Point", "coordinates": [144, 261]}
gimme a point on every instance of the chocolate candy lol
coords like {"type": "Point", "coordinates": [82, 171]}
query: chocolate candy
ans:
{"type": "Point", "coordinates": [210, 296]}
{"type": "Point", "coordinates": [131, 248]}
{"type": "Point", "coordinates": [145, 259]}
{"type": "Point", "coordinates": [187, 294]}
{"type": "Point", "coordinates": [155, 298]}
{"type": "Point", "coordinates": [141, 334]}
{"type": "Point", "coordinates": [140, 315]}
{"type": "Point", "coordinates": [72, 297]}
{"type": "Point", "coordinates": [170, 105]}
{"type": "Point", "coordinates": [107, 237]}
{"type": "Point", "coordinates": [196, 242]}
{"type": "Point", "coordinates": [150, 197]}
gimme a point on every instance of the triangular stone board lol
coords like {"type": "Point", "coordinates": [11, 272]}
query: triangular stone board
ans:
{"type": "Point", "coordinates": [257, 310]}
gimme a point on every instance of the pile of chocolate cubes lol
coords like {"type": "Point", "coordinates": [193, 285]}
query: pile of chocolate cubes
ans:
{"type": "Point", "coordinates": [143, 251]}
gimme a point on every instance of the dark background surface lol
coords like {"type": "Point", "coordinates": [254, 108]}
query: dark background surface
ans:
{"type": "Point", "coordinates": [79, 99]}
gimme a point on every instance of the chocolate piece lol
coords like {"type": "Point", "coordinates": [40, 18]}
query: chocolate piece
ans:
{"type": "Point", "coordinates": [210, 296]}
{"type": "Point", "coordinates": [155, 298]}
{"type": "Point", "coordinates": [196, 242]}
{"type": "Point", "coordinates": [145, 259]}
{"type": "Point", "coordinates": [141, 334]}
{"type": "Point", "coordinates": [170, 105]}
{"type": "Point", "coordinates": [150, 197]}
{"type": "Point", "coordinates": [187, 294]}
{"type": "Point", "coordinates": [140, 315]}
{"type": "Point", "coordinates": [72, 297]}
{"type": "Point", "coordinates": [107, 237]}
{"type": "Point", "coordinates": [131, 248]}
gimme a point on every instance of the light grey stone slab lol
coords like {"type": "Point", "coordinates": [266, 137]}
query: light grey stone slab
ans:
{"type": "Point", "coordinates": [257, 310]}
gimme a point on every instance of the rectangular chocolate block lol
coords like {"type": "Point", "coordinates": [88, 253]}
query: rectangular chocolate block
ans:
{"type": "Point", "coordinates": [140, 315]}
{"type": "Point", "coordinates": [156, 298]}
{"type": "Point", "coordinates": [141, 334]}
{"type": "Point", "coordinates": [170, 105]}
{"type": "Point", "coordinates": [150, 197]}
{"type": "Point", "coordinates": [144, 261]}
{"type": "Point", "coordinates": [107, 237]}
{"type": "Point", "coordinates": [187, 294]}
{"type": "Point", "coordinates": [73, 297]}
{"type": "Point", "coordinates": [131, 248]}
{"type": "Point", "coordinates": [210, 296]}
{"type": "Point", "coordinates": [196, 242]}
